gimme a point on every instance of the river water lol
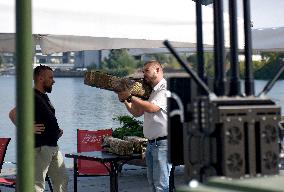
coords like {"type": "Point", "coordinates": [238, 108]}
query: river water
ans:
{"type": "Point", "coordinates": [80, 106]}
{"type": "Point", "coordinates": [77, 106]}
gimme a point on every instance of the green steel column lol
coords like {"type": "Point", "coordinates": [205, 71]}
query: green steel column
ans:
{"type": "Point", "coordinates": [25, 109]}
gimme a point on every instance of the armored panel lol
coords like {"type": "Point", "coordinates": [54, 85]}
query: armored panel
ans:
{"type": "Point", "coordinates": [232, 142]}
{"type": "Point", "coordinates": [257, 120]}
{"type": "Point", "coordinates": [267, 140]}
{"type": "Point", "coordinates": [232, 137]}
{"type": "Point", "coordinates": [184, 88]}
{"type": "Point", "coordinates": [199, 143]}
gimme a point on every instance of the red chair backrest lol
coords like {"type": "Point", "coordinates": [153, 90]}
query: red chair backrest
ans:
{"type": "Point", "coordinates": [3, 148]}
{"type": "Point", "coordinates": [91, 140]}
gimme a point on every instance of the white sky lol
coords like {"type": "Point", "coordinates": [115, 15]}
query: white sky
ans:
{"type": "Point", "coordinates": [264, 13]}
{"type": "Point", "coordinates": [133, 19]}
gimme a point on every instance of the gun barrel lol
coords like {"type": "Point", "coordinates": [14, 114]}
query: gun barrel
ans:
{"type": "Point", "coordinates": [109, 82]}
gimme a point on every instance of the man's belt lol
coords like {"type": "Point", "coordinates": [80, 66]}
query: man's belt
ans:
{"type": "Point", "coordinates": [157, 139]}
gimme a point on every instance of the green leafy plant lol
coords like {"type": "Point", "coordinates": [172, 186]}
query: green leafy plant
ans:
{"type": "Point", "coordinates": [129, 127]}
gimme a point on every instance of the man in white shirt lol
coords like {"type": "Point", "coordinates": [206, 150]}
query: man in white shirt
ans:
{"type": "Point", "coordinates": [155, 124]}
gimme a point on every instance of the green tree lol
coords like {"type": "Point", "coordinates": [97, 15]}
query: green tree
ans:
{"type": "Point", "coordinates": [208, 63]}
{"type": "Point", "coordinates": [272, 56]}
{"type": "Point", "coordinates": [119, 63]}
{"type": "Point", "coordinates": [162, 58]}
{"type": "Point", "coordinates": [256, 66]}
{"type": "Point", "coordinates": [168, 60]}
{"type": "Point", "coordinates": [271, 63]}
{"type": "Point", "coordinates": [93, 65]}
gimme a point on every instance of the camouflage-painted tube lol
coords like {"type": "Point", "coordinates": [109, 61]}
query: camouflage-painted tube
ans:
{"type": "Point", "coordinates": [118, 146]}
{"type": "Point", "coordinates": [113, 83]}
{"type": "Point", "coordinates": [139, 143]}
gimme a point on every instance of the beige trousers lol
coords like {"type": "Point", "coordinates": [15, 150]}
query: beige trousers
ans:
{"type": "Point", "coordinates": [49, 160]}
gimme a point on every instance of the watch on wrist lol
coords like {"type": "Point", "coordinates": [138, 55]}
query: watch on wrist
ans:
{"type": "Point", "coordinates": [129, 99]}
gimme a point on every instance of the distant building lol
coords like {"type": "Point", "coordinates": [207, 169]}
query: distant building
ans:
{"type": "Point", "coordinates": [55, 58]}
{"type": "Point", "coordinates": [8, 58]}
{"type": "Point", "coordinates": [68, 57]}
{"type": "Point", "coordinates": [85, 59]}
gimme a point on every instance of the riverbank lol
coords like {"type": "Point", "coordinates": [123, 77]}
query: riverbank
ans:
{"type": "Point", "coordinates": [57, 72]}
{"type": "Point", "coordinates": [68, 73]}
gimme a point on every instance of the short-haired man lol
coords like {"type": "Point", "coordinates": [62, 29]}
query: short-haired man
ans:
{"type": "Point", "coordinates": [48, 158]}
{"type": "Point", "coordinates": [155, 124]}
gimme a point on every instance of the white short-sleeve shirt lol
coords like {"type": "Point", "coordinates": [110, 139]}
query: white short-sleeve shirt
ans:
{"type": "Point", "coordinates": [155, 124]}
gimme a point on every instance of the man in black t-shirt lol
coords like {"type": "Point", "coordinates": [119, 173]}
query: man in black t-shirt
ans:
{"type": "Point", "coordinates": [48, 158]}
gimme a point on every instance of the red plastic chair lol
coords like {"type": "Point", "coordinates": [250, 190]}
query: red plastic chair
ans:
{"type": "Point", "coordinates": [6, 182]}
{"type": "Point", "coordinates": [90, 140]}
{"type": "Point", "coordinates": [10, 182]}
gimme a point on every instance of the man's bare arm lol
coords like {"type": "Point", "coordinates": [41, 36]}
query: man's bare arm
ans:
{"type": "Point", "coordinates": [134, 110]}
{"type": "Point", "coordinates": [38, 127]}
{"type": "Point", "coordinates": [144, 106]}
{"type": "Point", "coordinates": [137, 106]}
{"type": "Point", "coordinates": [12, 115]}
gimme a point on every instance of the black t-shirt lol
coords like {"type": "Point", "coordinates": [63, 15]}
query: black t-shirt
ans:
{"type": "Point", "coordinates": [45, 114]}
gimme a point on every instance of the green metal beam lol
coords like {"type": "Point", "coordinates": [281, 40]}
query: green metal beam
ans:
{"type": "Point", "coordinates": [25, 99]}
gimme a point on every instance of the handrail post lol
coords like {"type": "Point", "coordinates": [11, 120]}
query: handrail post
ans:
{"type": "Point", "coordinates": [25, 99]}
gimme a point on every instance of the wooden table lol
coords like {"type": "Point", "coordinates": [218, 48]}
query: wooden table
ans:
{"type": "Point", "coordinates": [103, 157]}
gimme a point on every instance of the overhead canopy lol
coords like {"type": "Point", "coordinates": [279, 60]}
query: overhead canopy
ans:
{"type": "Point", "coordinates": [72, 25]}
{"type": "Point", "coordinates": [64, 43]}
{"type": "Point", "coordinates": [268, 25]}
{"type": "Point", "coordinates": [268, 39]}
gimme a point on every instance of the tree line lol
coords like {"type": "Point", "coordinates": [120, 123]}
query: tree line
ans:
{"type": "Point", "coordinates": [121, 63]}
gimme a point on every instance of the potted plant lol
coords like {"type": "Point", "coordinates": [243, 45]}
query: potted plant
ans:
{"type": "Point", "coordinates": [130, 126]}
